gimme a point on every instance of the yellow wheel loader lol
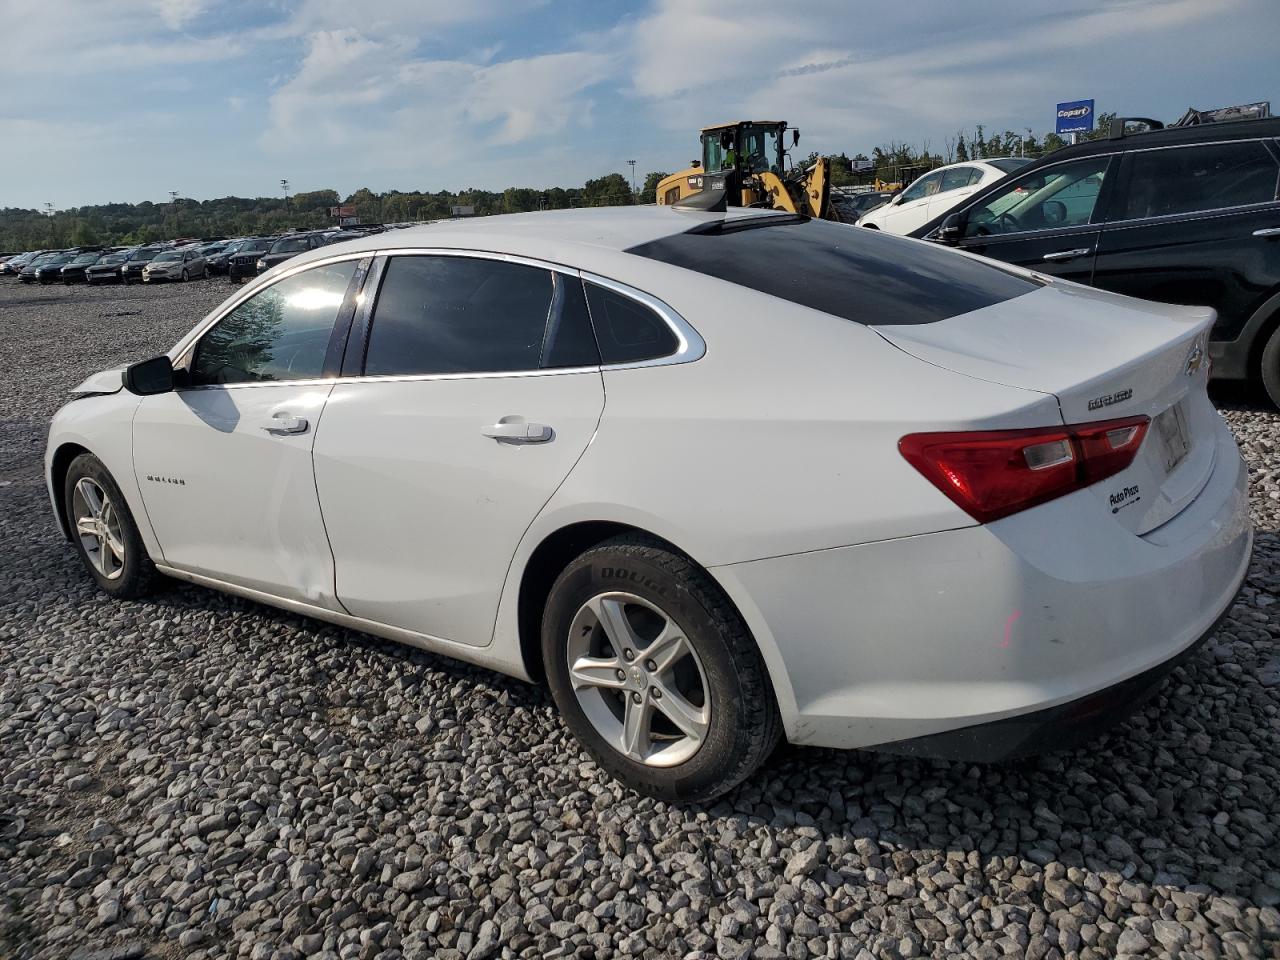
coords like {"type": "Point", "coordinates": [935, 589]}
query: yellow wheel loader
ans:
{"type": "Point", "coordinates": [743, 165]}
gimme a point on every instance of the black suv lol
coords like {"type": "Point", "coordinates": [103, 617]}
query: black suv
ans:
{"type": "Point", "coordinates": [288, 246]}
{"type": "Point", "coordinates": [1184, 214]}
{"type": "Point", "coordinates": [243, 264]}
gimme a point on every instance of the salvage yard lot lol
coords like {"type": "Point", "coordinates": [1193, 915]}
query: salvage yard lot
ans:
{"type": "Point", "coordinates": [201, 776]}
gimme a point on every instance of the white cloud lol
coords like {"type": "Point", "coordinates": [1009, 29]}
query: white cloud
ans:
{"type": "Point", "coordinates": [73, 38]}
{"type": "Point", "coordinates": [840, 71]}
{"type": "Point", "coordinates": [176, 14]}
{"type": "Point", "coordinates": [354, 91]}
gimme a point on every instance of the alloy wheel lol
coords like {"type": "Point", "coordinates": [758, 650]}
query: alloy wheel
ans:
{"type": "Point", "coordinates": [98, 527]}
{"type": "Point", "coordinates": [638, 679]}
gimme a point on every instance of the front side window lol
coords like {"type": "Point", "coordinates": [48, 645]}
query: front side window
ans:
{"type": "Point", "coordinates": [442, 315]}
{"type": "Point", "coordinates": [281, 333]}
{"type": "Point", "coordinates": [1059, 196]}
{"type": "Point", "coordinates": [1189, 179]}
{"type": "Point", "coordinates": [926, 186]}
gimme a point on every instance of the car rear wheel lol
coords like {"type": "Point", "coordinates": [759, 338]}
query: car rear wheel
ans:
{"type": "Point", "coordinates": [1271, 367]}
{"type": "Point", "coordinates": [104, 532]}
{"type": "Point", "coordinates": [655, 673]}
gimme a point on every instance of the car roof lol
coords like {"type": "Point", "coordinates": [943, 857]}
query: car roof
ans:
{"type": "Point", "coordinates": [592, 238]}
{"type": "Point", "coordinates": [1165, 137]}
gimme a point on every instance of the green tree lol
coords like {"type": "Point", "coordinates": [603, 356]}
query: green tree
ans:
{"type": "Point", "coordinates": [610, 190]}
{"type": "Point", "coordinates": [649, 192]}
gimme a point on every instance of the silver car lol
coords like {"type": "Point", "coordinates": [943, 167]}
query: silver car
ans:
{"type": "Point", "coordinates": [180, 263]}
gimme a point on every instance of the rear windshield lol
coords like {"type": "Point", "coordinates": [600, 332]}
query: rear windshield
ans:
{"type": "Point", "coordinates": [861, 275]}
{"type": "Point", "coordinates": [1009, 164]}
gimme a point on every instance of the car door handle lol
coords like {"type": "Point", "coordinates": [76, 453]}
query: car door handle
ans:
{"type": "Point", "coordinates": [1068, 254]}
{"type": "Point", "coordinates": [1267, 232]}
{"type": "Point", "coordinates": [518, 432]}
{"type": "Point", "coordinates": [283, 425]}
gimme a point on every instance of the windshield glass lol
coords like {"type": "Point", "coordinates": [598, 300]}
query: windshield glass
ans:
{"type": "Point", "coordinates": [857, 274]}
{"type": "Point", "coordinates": [253, 246]}
{"type": "Point", "coordinates": [144, 255]}
{"type": "Point", "coordinates": [760, 149]}
{"type": "Point", "coordinates": [291, 245]}
{"type": "Point", "coordinates": [168, 256]}
{"type": "Point", "coordinates": [59, 258]}
{"type": "Point", "coordinates": [88, 258]}
{"type": "Point", "coordinates": [115, 258]}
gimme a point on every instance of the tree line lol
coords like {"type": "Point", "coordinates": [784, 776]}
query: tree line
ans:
{"type": "Point", "coordinates": [146, 222]}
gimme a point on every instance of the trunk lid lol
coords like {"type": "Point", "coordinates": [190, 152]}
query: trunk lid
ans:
{"type": "Point", "coordinates": [1103, 357]}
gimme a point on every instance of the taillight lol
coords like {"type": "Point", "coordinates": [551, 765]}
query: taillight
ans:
{"type": "Point", "coordinates": [992, 473]}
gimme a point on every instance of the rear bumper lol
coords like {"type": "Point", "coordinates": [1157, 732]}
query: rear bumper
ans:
{"type": "Point", "coordinates": [1062, 727]}
{"type": "Point", "coordinates": [1032, 618]}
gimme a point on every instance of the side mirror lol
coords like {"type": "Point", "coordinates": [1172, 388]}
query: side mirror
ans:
{"type": "Point", "coordinates": [696, 163]}
{"type": "Point", "coordinates": [795, 137]}
{"type": "Point", "coordinates": [951, 230]}
{"type": "Point", "coordinates": [150, 376]}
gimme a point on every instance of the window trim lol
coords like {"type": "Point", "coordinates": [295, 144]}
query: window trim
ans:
{"type": "Point", "coordinates": [689, 344]}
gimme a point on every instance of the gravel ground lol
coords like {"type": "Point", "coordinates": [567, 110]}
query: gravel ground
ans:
{"type": "Point", "coordinates": [199, 776]}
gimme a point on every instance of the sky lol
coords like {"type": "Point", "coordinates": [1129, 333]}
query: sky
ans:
{"type": "Point", "coordinates": [126, 100]}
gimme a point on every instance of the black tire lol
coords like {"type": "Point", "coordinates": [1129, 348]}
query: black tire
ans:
{"type": "Point", "coordinates": [185, 276]}
{"type": "Point", "coordinates": [744, 724]}
{"type": "Point", "coordinates": [138, 576]}
{"type": "Point", "coordinates": [1271, 367]}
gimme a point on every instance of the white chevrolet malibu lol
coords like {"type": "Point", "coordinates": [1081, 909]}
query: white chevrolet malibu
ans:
{"type": "Point", "coordinates": [716, 480]}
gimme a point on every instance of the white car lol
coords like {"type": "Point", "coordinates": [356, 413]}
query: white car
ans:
{"type": "Point", "coordinates": [178, 263]}
{"type": "Point", "coordinates": [937, 192]}
{"type": "Point", "coordinates": [716, 479]}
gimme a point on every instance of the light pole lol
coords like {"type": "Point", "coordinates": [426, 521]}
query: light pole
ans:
{"type": "Point", "coordinates": [633, 180]}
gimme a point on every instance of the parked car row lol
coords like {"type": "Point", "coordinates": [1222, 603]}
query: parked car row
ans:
{"type": "Point", "coordinates": [174, 260]}
{"type": "Point", "coordinates": [254, 255]}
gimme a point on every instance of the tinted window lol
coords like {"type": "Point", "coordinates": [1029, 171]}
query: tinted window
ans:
{"type": "Point", "coordinates": [626, 330]}
{"type": "Point", "coordinates": [850, 272]}
{"type": "Point", "coordinates": [924, 187]}
{"type": "Point", "coordinates": [281, 333]}
{"type": "Point", "coordinates": [569, 340]}
{"type": "Point", "coordinates": [957, 178]}
{"type": "Point", "coordinates": [458, 315]}
{"type": "Point", "coordinates": [1009, 164]}
{"type": "Point", "coordinates": [1063, 195]}
{"type": "Point", "coordinates": [1186, 179]}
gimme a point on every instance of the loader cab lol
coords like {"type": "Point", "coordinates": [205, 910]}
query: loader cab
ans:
{"type": "Point", "coordinates": [746, 147]}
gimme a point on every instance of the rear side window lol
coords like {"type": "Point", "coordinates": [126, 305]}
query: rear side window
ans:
{"type": "Point", "coordinates": [957, 178]}
{"type": "Point", "coordinates": [441, 315]}
{"type": "Point", "coordinates": [1188, 179]}
{"type": "Point", "coordinates": [861, 275]}
{"type": "Point", "coordinates": [626, 329]}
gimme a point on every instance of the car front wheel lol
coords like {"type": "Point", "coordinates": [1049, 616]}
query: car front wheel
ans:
{"type": "Point", "coordinates": [655, 673]}
{"type": "Point", "coordinates": [104, 532]}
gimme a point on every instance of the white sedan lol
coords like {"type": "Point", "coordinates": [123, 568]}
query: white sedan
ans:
{"type": "Point", "coordinates": [716, 480]}
{"type": "Point", "coordinates": [937, 192]}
